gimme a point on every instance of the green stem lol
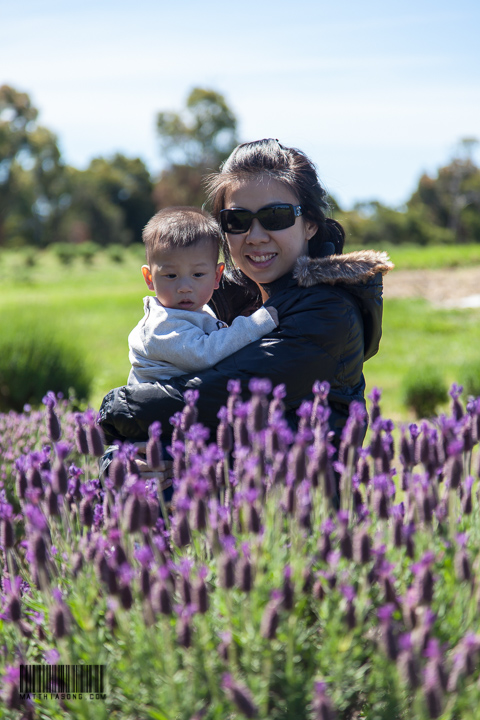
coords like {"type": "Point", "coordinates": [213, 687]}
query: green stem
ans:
{"type": "Point", "coordinates": [290, 647]}
{"type": "Point", "coordinates": [267, 672]}
{"type": "Point", "coordinates": [163, 506]}
{"type": "Point", "coordinates": [211, 679]}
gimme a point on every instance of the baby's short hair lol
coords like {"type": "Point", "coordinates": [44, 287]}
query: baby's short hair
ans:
{"type": "Point", "coordinates": [179, 227]}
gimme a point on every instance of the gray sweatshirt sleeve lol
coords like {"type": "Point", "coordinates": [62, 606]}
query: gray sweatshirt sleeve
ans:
{"type": "Point", "coordinates": [189, 348]}
{"type": "Point", "coordinates": [196, 350]}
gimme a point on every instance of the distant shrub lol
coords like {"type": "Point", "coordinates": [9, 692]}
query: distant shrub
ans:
{"type": "Point", "coordinates": [470, 378]}
{"type": "Point", "coordinates": [116, 254]}
{"type": "Point", "coordinates": [65, 252]}
{"type": "Point", "coordinates": [424, 390]}
{"type": "Point", "coordinates": [87, 251]}
{"type": "Point", "coordinates": [31, 363]}
{"type": "Point", "coordinates": [30, 257]}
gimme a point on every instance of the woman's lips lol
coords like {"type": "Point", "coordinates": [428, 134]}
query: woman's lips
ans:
{"type": "Point", "coordinates": [261, 261]}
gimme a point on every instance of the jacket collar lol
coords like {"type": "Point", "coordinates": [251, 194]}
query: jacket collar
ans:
{"type": "Point", "coordinates": [347, 269]}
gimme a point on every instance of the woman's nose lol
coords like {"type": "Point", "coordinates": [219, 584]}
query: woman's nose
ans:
{"type": "Point", "coordinates": [257, 233]}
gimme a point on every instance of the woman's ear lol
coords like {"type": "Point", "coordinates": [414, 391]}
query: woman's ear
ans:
{"type": "Point", "coordinates": [218, 274]}
{"type": "Point", "coordinates": [147, 276]}
{"type": "Point", "coordinates": [310, 229]}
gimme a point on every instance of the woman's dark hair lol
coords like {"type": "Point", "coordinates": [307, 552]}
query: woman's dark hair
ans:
{"type": "Point", "coordinates": [292, 168]}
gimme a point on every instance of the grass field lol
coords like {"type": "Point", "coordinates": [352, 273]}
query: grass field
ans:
{"type": "Point", "coordinates": [416, 257]}
{"type": "Point", "coordinates": [95, 306]}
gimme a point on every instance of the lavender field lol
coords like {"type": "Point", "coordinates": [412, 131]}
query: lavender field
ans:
{"type": "Point", "coordinates": [255, 594]}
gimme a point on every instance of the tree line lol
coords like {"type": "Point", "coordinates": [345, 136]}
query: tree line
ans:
{"type": "Point", "coordinates": [43, 200]}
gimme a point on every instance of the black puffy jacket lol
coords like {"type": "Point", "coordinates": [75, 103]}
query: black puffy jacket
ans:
{"type": "Point", "coordinates": [330, 321]}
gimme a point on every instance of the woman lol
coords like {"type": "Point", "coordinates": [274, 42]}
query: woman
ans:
{"type": "Point", "coordinates": [280, 247]}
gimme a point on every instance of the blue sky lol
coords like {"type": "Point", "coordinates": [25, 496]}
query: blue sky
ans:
{"type": "Point", "coordinates": [375, 92]}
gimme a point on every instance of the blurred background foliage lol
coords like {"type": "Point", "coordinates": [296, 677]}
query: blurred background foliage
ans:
{"type": "Point", "coordinates": [43, 200]}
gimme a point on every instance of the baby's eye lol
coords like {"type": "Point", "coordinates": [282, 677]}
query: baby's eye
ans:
{"type": "Point", "coordinates": [170, 276]}
{"type": "Point", "coordinates": [199, 274]}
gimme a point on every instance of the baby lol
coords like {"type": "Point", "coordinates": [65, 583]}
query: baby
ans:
{"type": "Point", "coordinates": [178, 332]}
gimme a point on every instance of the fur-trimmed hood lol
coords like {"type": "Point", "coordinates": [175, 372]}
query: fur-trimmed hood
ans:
{"type": "Point", "coordinates": [348, 269]}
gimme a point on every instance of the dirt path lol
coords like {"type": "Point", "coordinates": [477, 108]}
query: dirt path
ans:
{"type": "Point", "coordinates": [452, 287]}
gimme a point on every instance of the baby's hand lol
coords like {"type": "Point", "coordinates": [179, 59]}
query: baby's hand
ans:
{"type": "Point", "coordinates": [273, 312]}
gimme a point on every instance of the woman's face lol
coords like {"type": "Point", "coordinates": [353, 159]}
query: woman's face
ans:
{"type": "Point", "coordinates": [266, 255]}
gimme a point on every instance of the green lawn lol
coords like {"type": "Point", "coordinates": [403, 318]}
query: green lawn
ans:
{"type": "Point", "coordinates": [97, 305]}
{"type": "Point", "coordinates": [416, 335]}
{"type": "Point", "coordinates": [416, 257]}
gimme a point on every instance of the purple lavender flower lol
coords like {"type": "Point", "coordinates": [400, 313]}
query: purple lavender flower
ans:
{"type": "Point", "coordinates": [224, 431]}
{"type": "Point", "coordinates": [465, 660]}
{"type": "Point", "coordinates": [345, 541]}
{"type": "Point", "coordinates": [184, 631]}
{"type": "Point", "coordinates": [53, 424]}
{"type": "Point", "coordinates": [454, 464]}
{"type": "Point", "coordinates": [240, 696]}
{"type": "Point", "coordinates": [297, 465]}
{"type": "Point", "coordinates": [51, 656]}
{"type": "Point", "coordinates": [11, 681]}
{"type": "Point", "coordinates": [226, 570]}
{"type": "Point", "coordinates": [424, 578]}
{"type": "Point", "coordinates": [240, 430]}
{"type": "Point", "coordinates": [126, 597]}
{"type": "Point", "coordinates": [321, 703]}
{"type": "Point", "coordinates": [200, 595]}
{"type": "Point", "coordinates": [388, 639]}
{"type": "Point", "coordinates": [153, 450]}
{"type": "Point", "coordinates": [288, 589]}
{"type": "Point", "coordinates": [95, 440]}
{"type": "Point", "coordinates": [59, 477]}
{"type": "Point", "coordinates": [7, 534]}
{"type": "Point", "coordinates": [60, 620]}
{"type": "Point", "coordinates": [363, 468]}
{"type": "Point", "coordinates": [161, 599]}
{"type": "Point", "coordinates": [462, 566]}
{"type": "Point", "coordinates": [189, 413]}
{"type": "Point", "coordinates": [269, 623]}
{"type": "Point", "coordinates": [277, 406]}
{"type": "Point", "coordinates": [257, 414]}
{"type": "Point", "coordinates": [80, 435]}
{"type": "Point", "coordinates": [435, 670]}
{"type": "Point", "coordinates": [244, 574]}
{"type": "Point", "coordinates": [362, 546]}
{"type": "Point", "coordinates": [456, 408]}
{"type": "Point", "coordinates": [181, 534]}
{"type": "Point", "coordinates": [234, 388]}
{"type": "Point", "coordinates": [86, 512]}
{"type": "Point", "coordinates": [407, 662]}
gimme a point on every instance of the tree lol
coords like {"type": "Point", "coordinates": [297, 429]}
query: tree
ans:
{"type": "Point", "coordinates": [31, 173]}
{"type": "Point", "coordinates": [109, 202]}
{"type": "Point", "coordinates": [451, 200]}
{"type": "Point", "coordinates": [194, 141]}
{"type": "Point", "coordinates": [202, 135]}
{"type": "Point", "coordinates": [42, 201]}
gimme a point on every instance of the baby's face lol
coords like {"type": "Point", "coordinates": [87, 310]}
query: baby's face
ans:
{"type": "Point", "coordinates": [184, 278]}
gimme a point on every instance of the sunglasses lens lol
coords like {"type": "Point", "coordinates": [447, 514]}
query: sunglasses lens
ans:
{"type": "Point", "coordinates": [278, 217]}
{"type": "Point", "coordinates": [236, 221]}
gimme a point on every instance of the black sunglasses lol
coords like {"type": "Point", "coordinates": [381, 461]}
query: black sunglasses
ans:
{"type": "Point", "coordinates": [274, 217]}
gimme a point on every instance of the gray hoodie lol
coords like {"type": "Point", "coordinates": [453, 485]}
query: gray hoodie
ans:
{"type": "Point", "coordinates": [169, 342]}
